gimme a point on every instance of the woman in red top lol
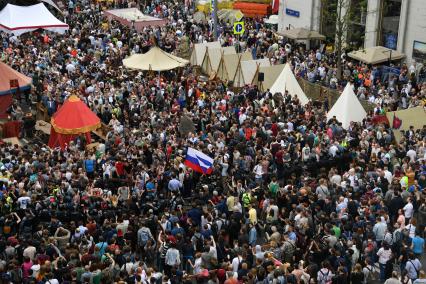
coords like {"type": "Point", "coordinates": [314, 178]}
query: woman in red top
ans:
{"type": "Point", "coordinates": [26, 267]}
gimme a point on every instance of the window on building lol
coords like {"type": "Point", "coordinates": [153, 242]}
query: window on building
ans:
{"type": "Point", "coordinates": [328, 18]}
{"type": "Point", "coordinates": [356, 23]}
{"type": "Point", "coordinates": [391, 13]}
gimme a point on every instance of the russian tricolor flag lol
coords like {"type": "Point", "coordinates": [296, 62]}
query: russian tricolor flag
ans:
{"type": "Point", "coordinates": [198, 161]}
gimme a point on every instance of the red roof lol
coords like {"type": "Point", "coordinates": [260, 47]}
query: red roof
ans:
{"type": "Point", "coordinates": [75, 117]}
{"type": "Point", "coordinates": [7, 73]}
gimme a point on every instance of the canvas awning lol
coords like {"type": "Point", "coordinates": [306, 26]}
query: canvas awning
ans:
{"type": "Point", "coordinates": [302, 34]}
{"type": "Point", "coordinates": [155, 59]}
{"type": "Point", "coordinates": [15, 19]}
{"type": "Point", "coordinates": [376, 55]}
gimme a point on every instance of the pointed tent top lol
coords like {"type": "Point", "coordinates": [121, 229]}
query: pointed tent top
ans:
{"type": "Point", "coordinates": [155, 59]}
{"type": "Point", "coordinates": [73, 98]}
{"type": "Point", "coordinates": [347, 108]}
{"type": "Point", "coordinates": [74, 117]}
{"type": "Point", "coordinates": [286, 81]}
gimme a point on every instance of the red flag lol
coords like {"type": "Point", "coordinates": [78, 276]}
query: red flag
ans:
{"type": "Point", "coordinates": [396, 123]}
{"type": "Point", "coordinates": [378, 119]}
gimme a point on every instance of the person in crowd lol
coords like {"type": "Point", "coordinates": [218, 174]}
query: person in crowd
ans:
{"type": "Point", "coordinates": [291, 196]}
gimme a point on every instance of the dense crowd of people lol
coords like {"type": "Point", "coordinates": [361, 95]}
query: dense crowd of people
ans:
{"type": "Point", "coordinates": [293, 197]}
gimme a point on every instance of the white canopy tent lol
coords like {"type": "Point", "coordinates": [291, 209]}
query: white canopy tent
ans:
{"type": "Point", "coordinates": [286, 81]}
{"type": "Point", "coordinates": [18, 20]}
{"type": "Point", "coordinates": [347, 108]}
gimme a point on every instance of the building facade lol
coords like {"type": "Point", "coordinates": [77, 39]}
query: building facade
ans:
{"type": "Point", "coordinates": [396, 24]}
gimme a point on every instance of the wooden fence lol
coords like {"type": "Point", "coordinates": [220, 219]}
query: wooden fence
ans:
{"type": "Point", "coordinates": [316, 92]}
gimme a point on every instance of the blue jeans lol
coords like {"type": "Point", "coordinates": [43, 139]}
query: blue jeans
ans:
{"type": "Point", "coordinates": [382, 271]}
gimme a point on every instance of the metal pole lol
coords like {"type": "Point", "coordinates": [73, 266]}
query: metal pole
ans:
{"type": "Point", "coordinates": [390, 59]}
{"type": "Point", "coordinates": [215, 24]}
{"type": "Point", "coordinates": [238, 46]}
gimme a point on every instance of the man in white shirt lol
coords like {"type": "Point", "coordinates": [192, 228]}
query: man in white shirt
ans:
{"type": "Point", "coordinates": [333, 150]}
{"type": "Point", "coordinates": [412, 155]}
{"type": "Point", "coordinates": [290, 126]}
{"type": "Point", "coordinates": [70, 67]}
{"type": "Point", "coordinates": [336, 179]}
{"type": "Point", "coordinates": [258, 172]}
{"type": "Point", "coordinates": [408, 210]}
{"type": "Point", "coordinates": [51, 280]}
{"type": "Point", "coordinates": [29, 251]}
{"type": "Point", "coordinates": [242, 117]}
{"type": "Point", "coordinates": [236, 261]}
{"type": "Point", "coordinates": [23, 201]}
{"type": "Point", "coordinates": [388, 174]}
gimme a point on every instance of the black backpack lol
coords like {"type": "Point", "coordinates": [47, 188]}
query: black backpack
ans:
{"type": "Point", "coordinates": [291, 279]}
{"type": "Point", "coordinates": [214, 227]}
{"type": "Point", "coordinates": [199, 242]}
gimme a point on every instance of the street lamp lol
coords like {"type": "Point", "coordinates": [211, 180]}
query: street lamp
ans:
{"type": "Point", "coordinates": [390, 59]}
{"type": "Point", "coordinates": [390, 55]}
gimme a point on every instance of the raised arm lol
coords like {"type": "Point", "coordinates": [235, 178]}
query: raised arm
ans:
{"type": "Point", "coordinates": [18, 219]}
{"type": "Point", "coordinates": [213, 241]}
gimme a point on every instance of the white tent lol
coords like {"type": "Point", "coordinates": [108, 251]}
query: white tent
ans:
{"type": "Point", "coordinates": [251, 68]}
{"type": "Point", "coordinates": [230, 69]}
{"type": "Point", "coordinates": [270, 73]}
{"type": "Point", "coordinates": [22, 19]}
{"type": "Point", "coordinates": [286, 81]}
{"type": "Point", "coordinates": [213, 57]}
{"type": "Point", "coordinates": [199, 52]}
{"type": "Point", "coordinates": [155, 59]}
{"type": "Point", "coordinates": [347, 108]}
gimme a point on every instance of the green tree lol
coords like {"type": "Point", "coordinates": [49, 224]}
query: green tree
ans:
{"type": "Point", "coordinates": [337, 19]}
